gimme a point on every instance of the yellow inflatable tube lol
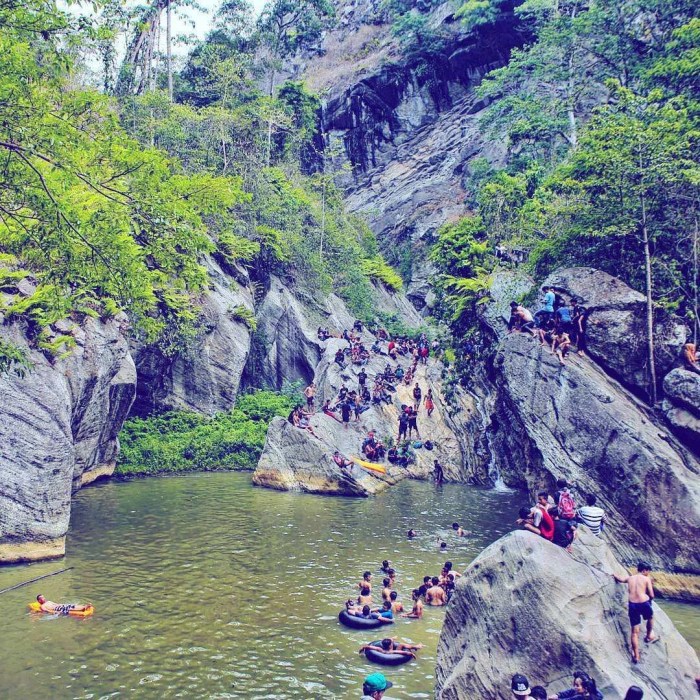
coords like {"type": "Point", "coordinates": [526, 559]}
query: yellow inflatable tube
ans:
{"type": "Point", "coordinates": [36, 607]}
{"type": "Point", "coordinates": [372, 466]}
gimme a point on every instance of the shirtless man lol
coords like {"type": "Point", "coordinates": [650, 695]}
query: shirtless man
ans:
{"type": "Point", "coordinates": [436, 595]}
{"type": "Point", "coordinates": [417, 611]}
{"type": "Point", "coordinates": [310, 392]}
{"type": "Point", "coordinates": [690, 358]}
{"type": "Point", "coordinates": [459, 530]}
{"type": "Point", "coordinates": [396, 605]}
{"type": "Point", "coordinates": [365, 597]}
{"type": "Point", "coordinates": [366, 581]}
{"type": "Point", "coordinates": [386, 591]}
{"type": "Point", "coordinates": [641, 594]}
{"type": "Point", "coordinates": [51, 607]}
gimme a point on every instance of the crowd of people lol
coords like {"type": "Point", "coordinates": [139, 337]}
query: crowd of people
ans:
{"type": "Point", "coordinates": [583, 687]}
{"type": "Point", "coordinates": [556, 325]}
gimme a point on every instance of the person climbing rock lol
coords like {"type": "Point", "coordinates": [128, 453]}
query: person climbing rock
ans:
{"type": "Point", "coordinates": [690, 358]}
{"type": "Point", "coordinates": [564, 319]}
{"type": "Point", "coordinates": [641, 595]}
{"type": "Point", "coordinates": [580, 318]}
{"type": "Point", "coordinates": [342, 461]}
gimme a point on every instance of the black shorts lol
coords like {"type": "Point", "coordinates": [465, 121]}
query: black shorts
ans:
{"type": "Point", "coordinates": [637, 611]}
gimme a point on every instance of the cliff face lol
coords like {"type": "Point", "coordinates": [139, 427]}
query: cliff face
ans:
{"type": "Point", "coordinates": [525, 605]}
{"type": "Point", "coordinates": [545, 421]}
{"type": "Point", "coordinates": [407, 123]}
{"type": "Point", "coordinates": [58, 432]}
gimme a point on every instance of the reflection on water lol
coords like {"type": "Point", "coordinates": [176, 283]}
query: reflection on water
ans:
{"type": "Point", "coordinates": [208, 588]}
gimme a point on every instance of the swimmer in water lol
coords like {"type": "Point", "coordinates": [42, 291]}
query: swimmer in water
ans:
{"type": "Point", "coordinates": [386, 591]}
{"type": "Point", "coordinates": [459, 531]}
{"type": "Point", "coordinates": [64, 608]}
{"type": "Point", "coordinates": [365, 597]}
{"type": "Point", "coordinates": [366, 581]}
{"type": "Point", "coordinates": [396, 605]}
{"type": "Point", "coordinates": [436, 595]}
{"type": "Point", "coordinates": [417, 611]}
{"type": "Point", "coordinates": [389, 645]}
{"type": "Point", "coordinates": [411, 534]}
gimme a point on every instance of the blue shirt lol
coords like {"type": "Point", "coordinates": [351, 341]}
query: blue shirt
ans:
{"type": "Point", "coordinates": [388, 614]}
{"type": "Point", "coordinates": [549, 302]}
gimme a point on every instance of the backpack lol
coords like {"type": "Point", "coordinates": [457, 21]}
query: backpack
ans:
{"type": "Point", "coordinates": [567, 506]}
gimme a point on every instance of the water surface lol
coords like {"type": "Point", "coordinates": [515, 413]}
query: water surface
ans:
{"type": "Point", "coordinates": [208, 588]}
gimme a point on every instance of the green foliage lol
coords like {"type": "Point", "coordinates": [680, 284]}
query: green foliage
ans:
{"type": "Point", "coordinates": [13, 359]}
{"type": "Point", "coordinates": [478, 13]}
{"type": "Point", "coordinates": [377, 268]}
{"type": "Point", "coordinates": [244, 315]}
{"type": "Point", "coordinates": [181, 441]}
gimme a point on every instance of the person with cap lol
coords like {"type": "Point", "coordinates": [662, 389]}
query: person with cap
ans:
{"type": "Point", "coordinates": [374, 686]}
{"type": "Point", "coordinates": [520, 686]}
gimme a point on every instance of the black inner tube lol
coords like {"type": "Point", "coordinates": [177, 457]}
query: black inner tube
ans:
{"type": "Point", "coordinates": [358, 623]}
{"type": "Point", "coordinates": [386, 658]}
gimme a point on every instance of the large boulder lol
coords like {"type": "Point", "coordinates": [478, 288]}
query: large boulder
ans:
{"type": "Point", "coordinates": [206, 377]}
{"type": "Point", "coordinates": [576, 422]}
{"type": "Point", "coordinates": [525, 605]}
{"type": "Point", "coordinates": [681, 405]}
{"type": "Point", "coordinates": [58, 431]}
{"type": "Point", "coordinates": [616, 330]}
{"type": "Point", "coordinates": [294, 459]}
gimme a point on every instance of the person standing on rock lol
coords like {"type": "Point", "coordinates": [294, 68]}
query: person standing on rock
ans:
{"type": "Point", "coordinates": [641, 595]}
{"type": "Point", "coordinates": [417, 395]}
{"type": "Point", "coordinates": [361, 379]}
{"type": "Point", "coordinates": [548, 303]}
{"type": "Point", "coordinates": [413, 424]}
{"type": "Point", "coordinates": [439, 473]}
{"type": "Point", "coordinates": [579, 323]}
{"type": "Point", "coordinates": [429, 402]}
{"type": "Point", "coordinates": [310, 392]}
{"type": "Point", "coordinates": [591, 515]}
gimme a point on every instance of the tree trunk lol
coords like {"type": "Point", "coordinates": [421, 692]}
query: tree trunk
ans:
{"type": "Point", "coordinates": [169, 47]}
{"type": "Point", "coordinates": [269, 120]}
{"type": "Point", "coordinates": [696, 272]}
{"type": "Point", "coordinates": [650, 303]}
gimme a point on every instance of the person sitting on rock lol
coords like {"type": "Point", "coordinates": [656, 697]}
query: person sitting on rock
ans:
{"type": "Point", "coordinates": [591, 515]}
{"type": "Point", "coordinates": [305, 421]}
{"type": "Point", "coordinates": [583, 687]}
{"type": "Point", "coordinates": [527, 520]}
{"type": "Point", "coordinates": [641, 595]}
{"type": "Point", "coordinates": [392, 455]}
{"type": "Point", "coordinates": [520, 686]}
{"type": "Point", "coordinates": [399, 373]}
{"type": "Point", "coordinates": [435, 595]}
{"type": "Point", "coordinates": [690, 358]}
{"type": "Point", "coordinates": [391, 646]}
{"type": "Point", "coordinates": [561, 343]}
{"type": "Point", "coordinates": [63, 608]}
{"type": "Point", "coordinates": [564, 530]}
{"type": "Point", "coordinates": [417, 610]}
{"type": "Point", "coordinates": [372, 447]}
{"type": "Point", "coordinates": [342, 461]}
{"type": "Point", "coordinates": [340, 358]}
{"type": "Point", "coordinates": [541, 517]}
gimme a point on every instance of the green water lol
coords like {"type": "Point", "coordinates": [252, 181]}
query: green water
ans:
{"type": "Point", "coordinates": [208, 588]}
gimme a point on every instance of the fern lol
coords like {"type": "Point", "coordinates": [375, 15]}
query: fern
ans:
{"type": "Point", "coordinates": [244, 315]}
{"type": "Point", "coordinates": [377, 268]}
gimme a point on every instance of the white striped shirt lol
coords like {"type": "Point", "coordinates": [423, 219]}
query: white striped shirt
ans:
{"type": "Point", "coordinates": [591, 517]}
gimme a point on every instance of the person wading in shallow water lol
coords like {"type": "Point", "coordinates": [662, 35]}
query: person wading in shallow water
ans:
{"type": "Point", "coordinates": [641, 594]}
{"type": "Point", "coordinates": [374, 686]}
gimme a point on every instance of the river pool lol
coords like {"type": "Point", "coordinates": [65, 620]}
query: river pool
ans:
{"type": "Point", "coordinates": [206, 587]}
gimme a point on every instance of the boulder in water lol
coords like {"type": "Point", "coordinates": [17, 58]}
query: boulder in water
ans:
{"type": "Point", "coordinates": [525, 605]}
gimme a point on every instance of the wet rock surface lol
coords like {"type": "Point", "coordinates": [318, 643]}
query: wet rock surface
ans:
{"type": "Point", "coordinates": [525, 605]}
{"type": "Point", "coordinates": [58, 430]}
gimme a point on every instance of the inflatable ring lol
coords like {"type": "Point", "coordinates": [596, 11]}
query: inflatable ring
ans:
{"type": "Point", "coordinates": [358, 623]}
{"type": "Point", "coordinates": [384, 658]}
{"type": "Point", "coordinates": [36, 607]}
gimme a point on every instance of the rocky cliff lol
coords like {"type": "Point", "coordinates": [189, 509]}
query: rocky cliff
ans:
{"type": "Point", "coordinates": [525, 605]}
{"type": "Point", "coordinates": [58, 431]}
{"type": "Point", "coordinates": [294, 459]}
{"type": "Point", "coordinates": [406, 120]}
{"type": "Point", "coordinates": [547, 421]}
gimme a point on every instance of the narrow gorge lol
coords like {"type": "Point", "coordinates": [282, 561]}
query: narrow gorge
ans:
{"type": "Point", "coordinates": [194, 241]}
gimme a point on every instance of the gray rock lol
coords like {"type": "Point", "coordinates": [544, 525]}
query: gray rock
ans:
{"type": "Point", "coordinates": [294, 459]}
{"type": "Point", "coordinates": [577, 423]}
{"type": "Point", "coordinates": [525, 605]}
{"type": "Point", "coordinates": [681, 405]}
{"type": "Point", "coordinates": [58, 431]}
{"type": "Point", "coordinates": [206, 377]}
{"type": "Point", "coordinates": [616, 330]}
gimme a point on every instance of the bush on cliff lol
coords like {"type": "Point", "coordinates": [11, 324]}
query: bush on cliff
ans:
{"type": "Point", "coordinates": [182, 441]}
